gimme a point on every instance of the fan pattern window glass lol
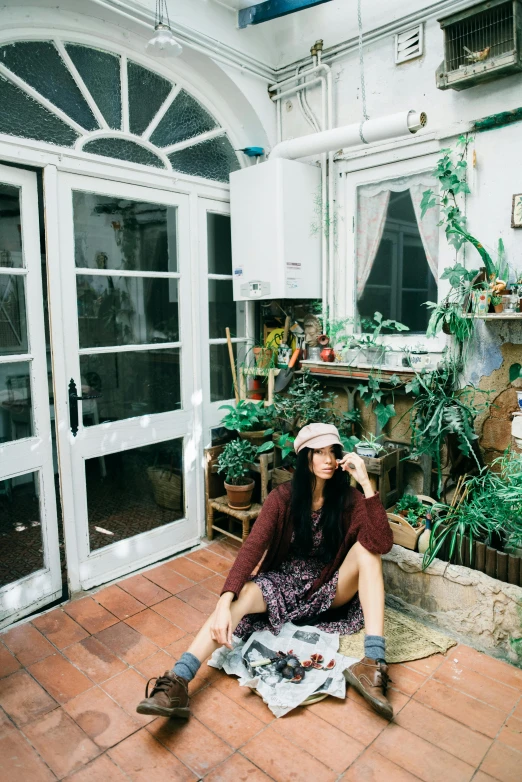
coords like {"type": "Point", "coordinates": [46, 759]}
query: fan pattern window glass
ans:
{"type": "Point", "coordinates": [104, 104]}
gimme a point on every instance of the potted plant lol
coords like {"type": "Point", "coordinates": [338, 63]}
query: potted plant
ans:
{"type": "Point", "coordinates": [373, 350]}
{"type": "Point", "coordinates": [305, 403]}
{"type": "Point", "coordinates": [370, 446]}
{"type": "Point", "coordinates": [250, 420]}
{"type": "Point", "coordinates": [235, 460]}
{"type": "Point", "coordinates": [407, 519]}
{"type": "Point", "coordinates": [410, 504]}
{"type": "Point", "coordinates": [496, 302]}
{"type": "Point", "coordinates": [283, 473]}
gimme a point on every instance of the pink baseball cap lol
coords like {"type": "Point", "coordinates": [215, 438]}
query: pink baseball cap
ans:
{"type": "Point", "coordinates": [317, 436]}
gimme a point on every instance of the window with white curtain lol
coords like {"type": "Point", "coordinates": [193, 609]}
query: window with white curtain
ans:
{"type": "Point", "coordinates": [397, 250]}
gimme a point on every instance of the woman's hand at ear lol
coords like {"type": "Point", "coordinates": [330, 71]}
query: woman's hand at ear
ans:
{"type": "Point", "coordinates": [354, 465]}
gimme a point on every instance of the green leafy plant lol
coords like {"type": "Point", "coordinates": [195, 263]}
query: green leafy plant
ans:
{"type": "Point", "coordinates": [441, 409]}
{"type": "Point", "coordinates": [372, 329]}
{"type": "Point", "coordinates": [409, 502]}
{"type": "Point", "coordinates": [305, 403]}
{"type": "Point", "coordinates": [515, 372]}
{"type": "Point", "coordinates": [337, 331]}
{"type": "Point", "coordinates": [496, 300]}
{"type": "Point", "coordinates": [372, 394]}
{"type": "Point", "coordinates": [413, 518]}
{"type": "Point", "coordinates": [235, 459]}
{"type": "Point", "coordinates": [487, 508]}
{"type": "Point", "coordinates": [451, 171]}
{"type": "Point", "coordinates": [248, 417]}
{"type": "Point", "coordinates": [371, 441]}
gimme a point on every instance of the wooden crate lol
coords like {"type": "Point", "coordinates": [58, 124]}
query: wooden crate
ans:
{"type": "Point", "coordinates": [388, 472]}
{"type": "Point", "coordinates": [403, 533]}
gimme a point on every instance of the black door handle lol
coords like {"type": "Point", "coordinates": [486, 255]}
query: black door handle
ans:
{"type": "Point", "coordinates": [73, 405]}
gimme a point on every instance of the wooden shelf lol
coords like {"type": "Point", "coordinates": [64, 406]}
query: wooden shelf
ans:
{"type": "Point", "coordinates": [359, 372]}
{"type": "Point", "coordinates": [496, 316]}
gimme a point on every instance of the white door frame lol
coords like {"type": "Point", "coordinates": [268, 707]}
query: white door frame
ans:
{"type": "Point", "coordinates": [212, 415]}
{"type": "Point", "coordinates": [32, 454]}
{"type": "Point", "coordinates": [88, 569]}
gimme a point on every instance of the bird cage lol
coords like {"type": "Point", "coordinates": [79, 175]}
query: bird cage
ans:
{"type": "Point", "coordinates": [481, 44]}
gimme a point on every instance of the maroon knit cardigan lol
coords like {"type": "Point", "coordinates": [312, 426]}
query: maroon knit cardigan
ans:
{"type": "Point", "coordinates": [365, 521]}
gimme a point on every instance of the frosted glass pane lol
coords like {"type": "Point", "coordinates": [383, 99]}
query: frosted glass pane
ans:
{"type": "Point", "coordinates": [39, 64]}
{"type": "Point", "coordinates": [101, 74]}
{"type": "Point", "coordinates": [147, 91]}
{"type": "Point", "coordinates": [213, 159]}
{"type": "Point", "coordinates": [123, 150]}
{"type": "Point", "coordinates": [22, 116]}
{"type": "Point", "coordinates": [185, 119]}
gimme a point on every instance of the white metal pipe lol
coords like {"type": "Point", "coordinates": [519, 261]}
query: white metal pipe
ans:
{"type": "Point", "coordinates": [298, 88]}
{"type": "Point", "coordinates": [391, 126]}
{"type": "Point", "coordinates": [315, 69]}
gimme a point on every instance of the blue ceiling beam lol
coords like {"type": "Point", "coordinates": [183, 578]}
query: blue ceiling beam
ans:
{"type": "Point", "coordinates": [273, 9]}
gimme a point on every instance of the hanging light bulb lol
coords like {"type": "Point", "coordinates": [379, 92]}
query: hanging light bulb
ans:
{"type": "Point", "coordinates": [163, 43]}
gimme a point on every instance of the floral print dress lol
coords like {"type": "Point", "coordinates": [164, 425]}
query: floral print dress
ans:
{"type": "Point", "coordinates": [285, 593]}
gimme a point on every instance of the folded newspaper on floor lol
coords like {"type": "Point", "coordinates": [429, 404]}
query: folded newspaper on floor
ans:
{"type": "Point", "coordinates": [280, 694]}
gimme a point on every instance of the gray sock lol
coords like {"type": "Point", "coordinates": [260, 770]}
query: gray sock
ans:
{"type": "Point", "coordinates": [187, 666]}
{"type": "Point", "coordinates": [375, 647]}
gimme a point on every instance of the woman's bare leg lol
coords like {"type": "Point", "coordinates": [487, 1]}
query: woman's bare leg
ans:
{"type": "Point", "coordinates": [362, 571]}
{"type": "Point", "coordinates": [250, 601]}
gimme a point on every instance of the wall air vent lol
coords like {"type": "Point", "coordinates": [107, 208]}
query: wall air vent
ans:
{"type": "Point", "coordinates": [409, 44]}
{"type": "Point", "coordinates": [481, 44]}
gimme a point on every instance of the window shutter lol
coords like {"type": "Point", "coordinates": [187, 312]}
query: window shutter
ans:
{"type": "Point", "coordinates": [409, 44]}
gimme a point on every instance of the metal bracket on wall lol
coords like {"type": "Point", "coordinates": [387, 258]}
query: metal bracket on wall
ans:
{"type": "Point", "coordinates": [272, 9]}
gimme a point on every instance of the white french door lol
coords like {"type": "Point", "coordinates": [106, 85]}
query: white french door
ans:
{"type": "Point", "coordinates": [120, 293]}
{"type": "Point", "coordinates": [29, 552]}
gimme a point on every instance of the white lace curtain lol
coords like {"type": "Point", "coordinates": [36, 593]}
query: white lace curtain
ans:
{"type": "Point", "coordinates": [372, 209]}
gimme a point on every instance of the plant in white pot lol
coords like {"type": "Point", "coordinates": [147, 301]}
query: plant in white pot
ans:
{"type": "Point", "coordinates": [370, 447]}
{"type": "Point", "coordinates": [373, 349]}
{"type": "Point", "coordinates": [235, 460]}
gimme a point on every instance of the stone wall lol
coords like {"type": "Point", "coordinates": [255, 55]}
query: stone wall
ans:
{"type": "Point", "coordinates": [471, 606]}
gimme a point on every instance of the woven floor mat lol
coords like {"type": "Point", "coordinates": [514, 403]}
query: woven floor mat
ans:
{"type": "Point", "coordinates": [406, 639]}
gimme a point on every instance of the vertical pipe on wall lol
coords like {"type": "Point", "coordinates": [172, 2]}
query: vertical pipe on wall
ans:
{"type": "Point", "coordinates": [327, 178]}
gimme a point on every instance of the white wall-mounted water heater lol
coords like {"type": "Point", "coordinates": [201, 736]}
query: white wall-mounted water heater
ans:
{"type": "Point", "coordinates": [276, 221]}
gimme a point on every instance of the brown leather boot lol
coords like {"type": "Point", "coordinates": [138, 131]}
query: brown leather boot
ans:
{"type": "Point", "coordinates": [370, 678]}
{"type": "Point", "coordinates": [168, 698]}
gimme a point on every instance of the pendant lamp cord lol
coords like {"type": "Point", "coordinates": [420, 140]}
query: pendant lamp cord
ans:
{"type": "Point", "coordinates": [361, 61]}
{"type": "Point", "coordinates": [162, 12]}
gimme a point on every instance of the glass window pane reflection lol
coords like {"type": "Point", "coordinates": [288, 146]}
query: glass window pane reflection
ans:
{"type": "Point", "coordinates": [116, 233]}
{"type": "Point", "coordinates": [131, 384]}
{"type": "Point", "coordinates": [134, 491]}
{"type": "Point", "coordinates": [21, 550]}
{"type": "Point", "coordinates": [16, 415]}
{"type": "Point", "coordinates": [10, 228]}
{"type": "Point", "coordinates": [126, 310]}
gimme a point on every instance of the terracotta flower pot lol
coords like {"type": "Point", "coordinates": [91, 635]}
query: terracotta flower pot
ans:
{"type": "Point", "coordinates": [498, 307]}
{"type": "Point", "coordinates": [263, 357]}
{"type": "Point", "coordinates": [328, 355]}
{"type": "Point", "coordinates": [239, 497]}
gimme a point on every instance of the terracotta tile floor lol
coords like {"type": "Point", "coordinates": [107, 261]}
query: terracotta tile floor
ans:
{"type": "Point", "coordinates": [70, 681]}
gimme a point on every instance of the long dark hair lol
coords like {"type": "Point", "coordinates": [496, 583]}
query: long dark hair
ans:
{"type": "Point", "coordinates": [336, 498]}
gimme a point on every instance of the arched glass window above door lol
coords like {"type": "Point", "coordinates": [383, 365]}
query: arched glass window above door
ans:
{"type": "Point", "coordinates": [103, 103]}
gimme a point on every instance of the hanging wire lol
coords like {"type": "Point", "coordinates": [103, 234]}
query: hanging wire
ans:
{"type": "Point", "coordinates": [162, 12]}
{"type": "Point", "coordinates": [361, 60]}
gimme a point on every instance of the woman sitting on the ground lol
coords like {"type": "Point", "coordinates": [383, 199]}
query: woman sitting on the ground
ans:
{"type": "Point", "coordinates": [322, 542]}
